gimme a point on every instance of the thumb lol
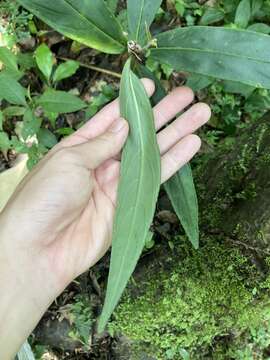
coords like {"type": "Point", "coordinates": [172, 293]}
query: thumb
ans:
{"type": "Point", "coordinates": [105, 146]}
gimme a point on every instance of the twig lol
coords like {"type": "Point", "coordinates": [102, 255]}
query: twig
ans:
{"type": "Point", "coordinates": [95, 68]}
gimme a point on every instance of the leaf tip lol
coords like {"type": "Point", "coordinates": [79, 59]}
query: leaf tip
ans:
{"type": "Point", "coordinates": [102, 322]}
{"type": "Point", "coordinates": [195, 242]}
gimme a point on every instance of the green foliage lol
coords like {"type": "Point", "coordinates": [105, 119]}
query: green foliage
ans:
{"type": "Point", "coordinates": [11, 90]}
{"type": "Point", "coordinates": [180, 188]}
{"type": "Point", "coordinates": [218, 52]}
{"type": "Point", "coordinates": [57, 101]}
{"type": "Point", "coordinates": [140, 169]}
{"type": "Point", "coordinates": [65, 70]}
{"type": "Point", "coordinates": [141, 14]}
{"type": "Point", "coordinates": [181, 191]}
{"type": "Point", "coordinates": [33, 111]}
{"type": "Point", "coordinates": [90, 23]}
{"type": "Point", "coordinates": [243, 14]}
{"type": "Point", "coordinates": [208, 52]}
{"type": "Point", "coordinates": [80, 316]}
{"type": "Point", "coordinates": [9, 61]}
{"type": "Point", "coordinates": [14, 22]}
{"type": "Point", "coordinates": [45, 60]}
{"type": "Point", "coordinates": [112, 5]}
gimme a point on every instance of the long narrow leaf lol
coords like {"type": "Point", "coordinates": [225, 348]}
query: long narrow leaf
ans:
{"type": "Point", "coordinates": [218, 52]}
{"type": "Point", "coordinates": [141, 14]}
{"type": "Point", "coordinates": [182, 193]}
{"type": "Point", "coordinates": [180, 188]}
{"type": "Point", "coordinates": [87, 21]}
{"type": "Point", "coordinates": [138, 189]}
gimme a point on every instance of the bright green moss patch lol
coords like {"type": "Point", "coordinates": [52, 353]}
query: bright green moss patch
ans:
{"type": "Point", "coordinates": [211, 303]}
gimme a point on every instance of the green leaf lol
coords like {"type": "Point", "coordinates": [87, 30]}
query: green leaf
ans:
{"type": "Point", "coordinates": [180, 7]}
{"type": "Point", "coordinates": [65, 70]}
{"type": "Point", "coordinates": [9, 59]}
{"type": "Point", "coordinates": [141, 14]}
{"type": "Point", "coordinates": [260, 27]}
{"type": "Point", "coordinates": [138, 189]}
{"type": "Point", "coordinates": [160, 92]}
{"type": "Point", "coordinates": [112, 5]}
{"type": "Point", "coordinates": [88, 22]}
{"type": "Point", "coordinates": [256, 6]}
{"type": "Point", "coordinates": [217, 52]}
{"type": "Point", "coordinates": [45, 60]}
{"type": "Point", "coordinates": [237, 88]}
{"type": "Point", "coordinates": [57, 101]}
{"type": "Point", "coordinates": [182, 193]}
{"type": "Point", "coordinates": [31, 124]}
{"type": "Point", "coordinates": [180, 187]}
{"type": "Point", "coordinates": [211, 16]}
{"type": "Point", "coordinates": [149, 242]}
{"type": "Point", "coordinates": [11, 90]}
{"type": "Point", "coordinates": [4, 141]}
{"type": "Point", "coordinates": [11, 111]}
{"type": "Point", "coordinates": [1, 120]}
{"type": "Point", "coordinates": [26, 61]}
{"type": "Point", "coordinates": [243, 14]}
{"type": "Point", "coordinates": [46, 138]}
{"type": "Point", "coordinates": [198, 82]}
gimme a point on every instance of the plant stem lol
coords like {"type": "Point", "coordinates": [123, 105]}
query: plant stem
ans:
{"type": "Point", "coordinates": [95, 68]}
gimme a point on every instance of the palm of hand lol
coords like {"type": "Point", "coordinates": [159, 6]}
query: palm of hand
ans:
{"type": "Point", "coordinates": [87, 238]}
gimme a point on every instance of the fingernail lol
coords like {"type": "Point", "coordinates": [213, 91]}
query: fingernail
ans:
{"type": "Point", "coordinates": [118, 125]}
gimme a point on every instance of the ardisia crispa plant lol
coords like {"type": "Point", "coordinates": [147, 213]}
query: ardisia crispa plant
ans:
{"type": "Point", "coordinates": [225, 53]}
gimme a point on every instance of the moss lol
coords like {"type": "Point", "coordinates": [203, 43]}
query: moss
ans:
{"type": "Point", "coordinates": [206, 305]}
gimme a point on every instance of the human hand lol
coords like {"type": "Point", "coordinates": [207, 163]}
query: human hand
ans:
{"type": "Point", "coordinates": [59, 221]}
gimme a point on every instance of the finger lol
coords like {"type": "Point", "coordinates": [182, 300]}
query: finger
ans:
{"type": "Point", "coordinates": [172, 104]}
{"type": "Point", "coordinates": [95, 152]}
{"type": "Point", "coordinates": [186, 124]}
{"type": "Point", "coordinates": [102, 121]}
{"type": "Point", "coordinates": [179, 155]}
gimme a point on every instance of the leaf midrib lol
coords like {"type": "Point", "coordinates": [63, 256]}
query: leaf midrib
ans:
{"type": "Point", "coordinates": [171, 48]}
{"type": "Point", "coordinates": [138, 186]}
{"type": "Point", "coordinates": [52, 101]}
{"type": "Point", "coordinates": [95, 25]}
{"type": "Point", "coordinates": [140, 20]}
{"type": "Point", "coordinates": [87, 20]}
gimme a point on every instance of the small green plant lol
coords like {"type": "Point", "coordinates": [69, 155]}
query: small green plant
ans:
{"type": "Point", "coordinates": [231, 53]}
{"type": "Point", "coordinates": [34, 109]}
{"type": "Point", "coordinates": [79, 313]}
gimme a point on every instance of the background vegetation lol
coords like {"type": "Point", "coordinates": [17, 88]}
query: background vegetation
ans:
{"type": "Point", "coordinates": [206, 304]}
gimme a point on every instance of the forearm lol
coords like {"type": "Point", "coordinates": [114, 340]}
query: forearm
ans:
{"type": "Point", "coordinates": [19, 314]}
{"type": "Point", "coordinates": [22, 299]}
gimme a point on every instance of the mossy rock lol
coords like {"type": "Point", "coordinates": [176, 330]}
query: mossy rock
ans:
{"type": "Point", "coordinates": [206, 304]}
